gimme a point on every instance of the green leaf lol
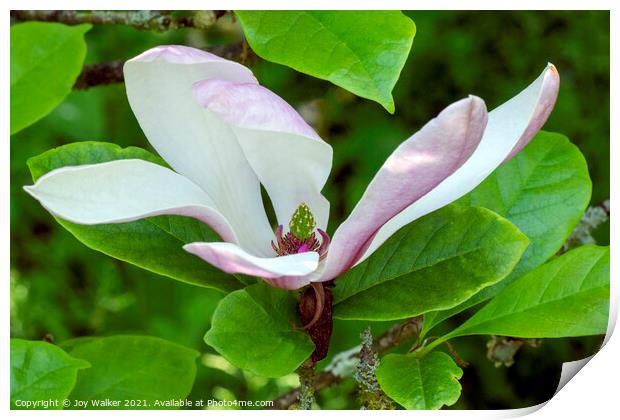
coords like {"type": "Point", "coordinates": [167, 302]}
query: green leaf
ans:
{"type": "Point", "coordinates": [420, 383]}
{"type": "Point", "coordinates": [133, 367]}
{"type": "Point", "coordinates": [567, 297]}
{"type": "Point", "coordinates": [253, 329]}
{"type": "Point", "coordinates": [46, 59]}
{"type": "Point", "coordinates": [41, 372]}
{"type": "Point", "coordinates": [361, 51]}
{"type": "Point", "coordinates": [435, 262]}
{"type": "Point", "coordinates": [543, 190]}
{"type": "Point", "coordinates": [155, 243]}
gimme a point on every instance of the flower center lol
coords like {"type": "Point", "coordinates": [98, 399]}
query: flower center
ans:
{"type": "Point", "coordinates": [301, 236]}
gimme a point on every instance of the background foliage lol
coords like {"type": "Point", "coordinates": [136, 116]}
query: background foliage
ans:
{"type": "Point", "coordinates": [62, 288]}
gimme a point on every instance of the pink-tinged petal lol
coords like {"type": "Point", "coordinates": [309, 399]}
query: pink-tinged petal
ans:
{"type": "Point", "coordinates": [217, 67]}
{"type": "Point", "coordinates": [292, 282]}
{"type": "Point", "coordinates": [123, 191]}
{"type": "Point", "coordinates": [289, 158]}
{"type": "Point", "coordinates": [287, 272]}
{"type": "Point", "coordinates": [195, 142]}
{"type": "Point", "coordinates": [511, 126]}
{"type": "Point", "coordinates": [543, 92]}
{"type": "Point", "coordinates": [417, 166]}
{"type": "Point", "coordinates": [249, 105]}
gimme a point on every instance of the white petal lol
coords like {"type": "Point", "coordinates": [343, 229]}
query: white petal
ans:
{"type": "Point", "coordinates": [192, 140]}
{"type": "Point", "coordinates": [123, 191]}
{"type": "Point", "coordinates": [289, 158]}
{"type": "Point", "coordinates": [287, 272]}
{"type": "Point", "coordinates": [510, 127]}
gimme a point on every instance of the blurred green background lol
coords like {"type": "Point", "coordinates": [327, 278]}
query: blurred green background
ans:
{"type": "Point", "coordinates": [62, 288]}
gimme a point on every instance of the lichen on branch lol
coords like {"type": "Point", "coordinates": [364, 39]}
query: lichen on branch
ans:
{"type": "Point", "coordinates": [145, 20]}
{"type": "Point", "coordinates": [370, 395]}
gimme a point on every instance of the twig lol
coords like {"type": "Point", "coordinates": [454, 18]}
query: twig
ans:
{"type": "Point", "coordinates": [341, 365]}
{"type": "Point", "coordinates": [145, 20]}
{"type": "Point", "coordinates": [100, 74]}
{"type": "Point", "coordinates": [112, 71]}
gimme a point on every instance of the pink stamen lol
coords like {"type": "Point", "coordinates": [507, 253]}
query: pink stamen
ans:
{"type": "Point", "coordinates": [289, 244]}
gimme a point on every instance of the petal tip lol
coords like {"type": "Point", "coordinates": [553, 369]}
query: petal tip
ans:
{"type": "Point", "coordinates": [476, 100]}
{"type": "Point", "coordinates": [477, 113]}
{"type": "Point", "coordinates": [33, 190]}
{"type": "Point", "coordinates": [193, 247]}
{"type": "Point", "coordinates": [477, 105]}
{"type": "Point", "coordinates": [541, 95]}
{"type": "Point", "coordinates": [551, 66]}
{"type": "Point", "coordinates": [30, 189]}
{"type": "Point", "coordinates": [552, 73]}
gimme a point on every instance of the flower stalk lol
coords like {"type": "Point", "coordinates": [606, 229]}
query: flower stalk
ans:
{"type": "Point", "coordinates": [315, 309]}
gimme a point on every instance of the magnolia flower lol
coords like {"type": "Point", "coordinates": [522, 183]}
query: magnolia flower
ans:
{"type": "Point", "coordinates": [224, 136]}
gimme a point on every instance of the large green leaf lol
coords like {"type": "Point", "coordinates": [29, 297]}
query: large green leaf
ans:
{"type": "Point", "coordinates": [543, 190]}
{"type": "Point", "coordinates": [361, 51]}
{"type": "Point", "coordinates": [435, 262]}
{"type": "Point", "coordinates": [133, 367]}
{"type": "Point", "coordinates": [253, 329]}
{"type": "Point", "coordinates": [41, 372]}
{"type": "Point", "coordinates": [420, 383]}
{"type": "Point", "coordinates": [46, 59]}
{"type": "Point", "coordinates": [155, 243]}
{"type": "Point", "coordinates": [567, 297]}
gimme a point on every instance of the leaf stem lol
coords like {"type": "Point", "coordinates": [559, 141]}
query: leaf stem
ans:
{"type": "Point", "coordinates": [423, 351]}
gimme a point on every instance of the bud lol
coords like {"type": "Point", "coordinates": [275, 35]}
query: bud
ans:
{"type": "Point", "coordinates": [302, 222]}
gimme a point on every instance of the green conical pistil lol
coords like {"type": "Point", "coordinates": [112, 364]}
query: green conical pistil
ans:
{"type": "Point", "coordinates": [302, 222]}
